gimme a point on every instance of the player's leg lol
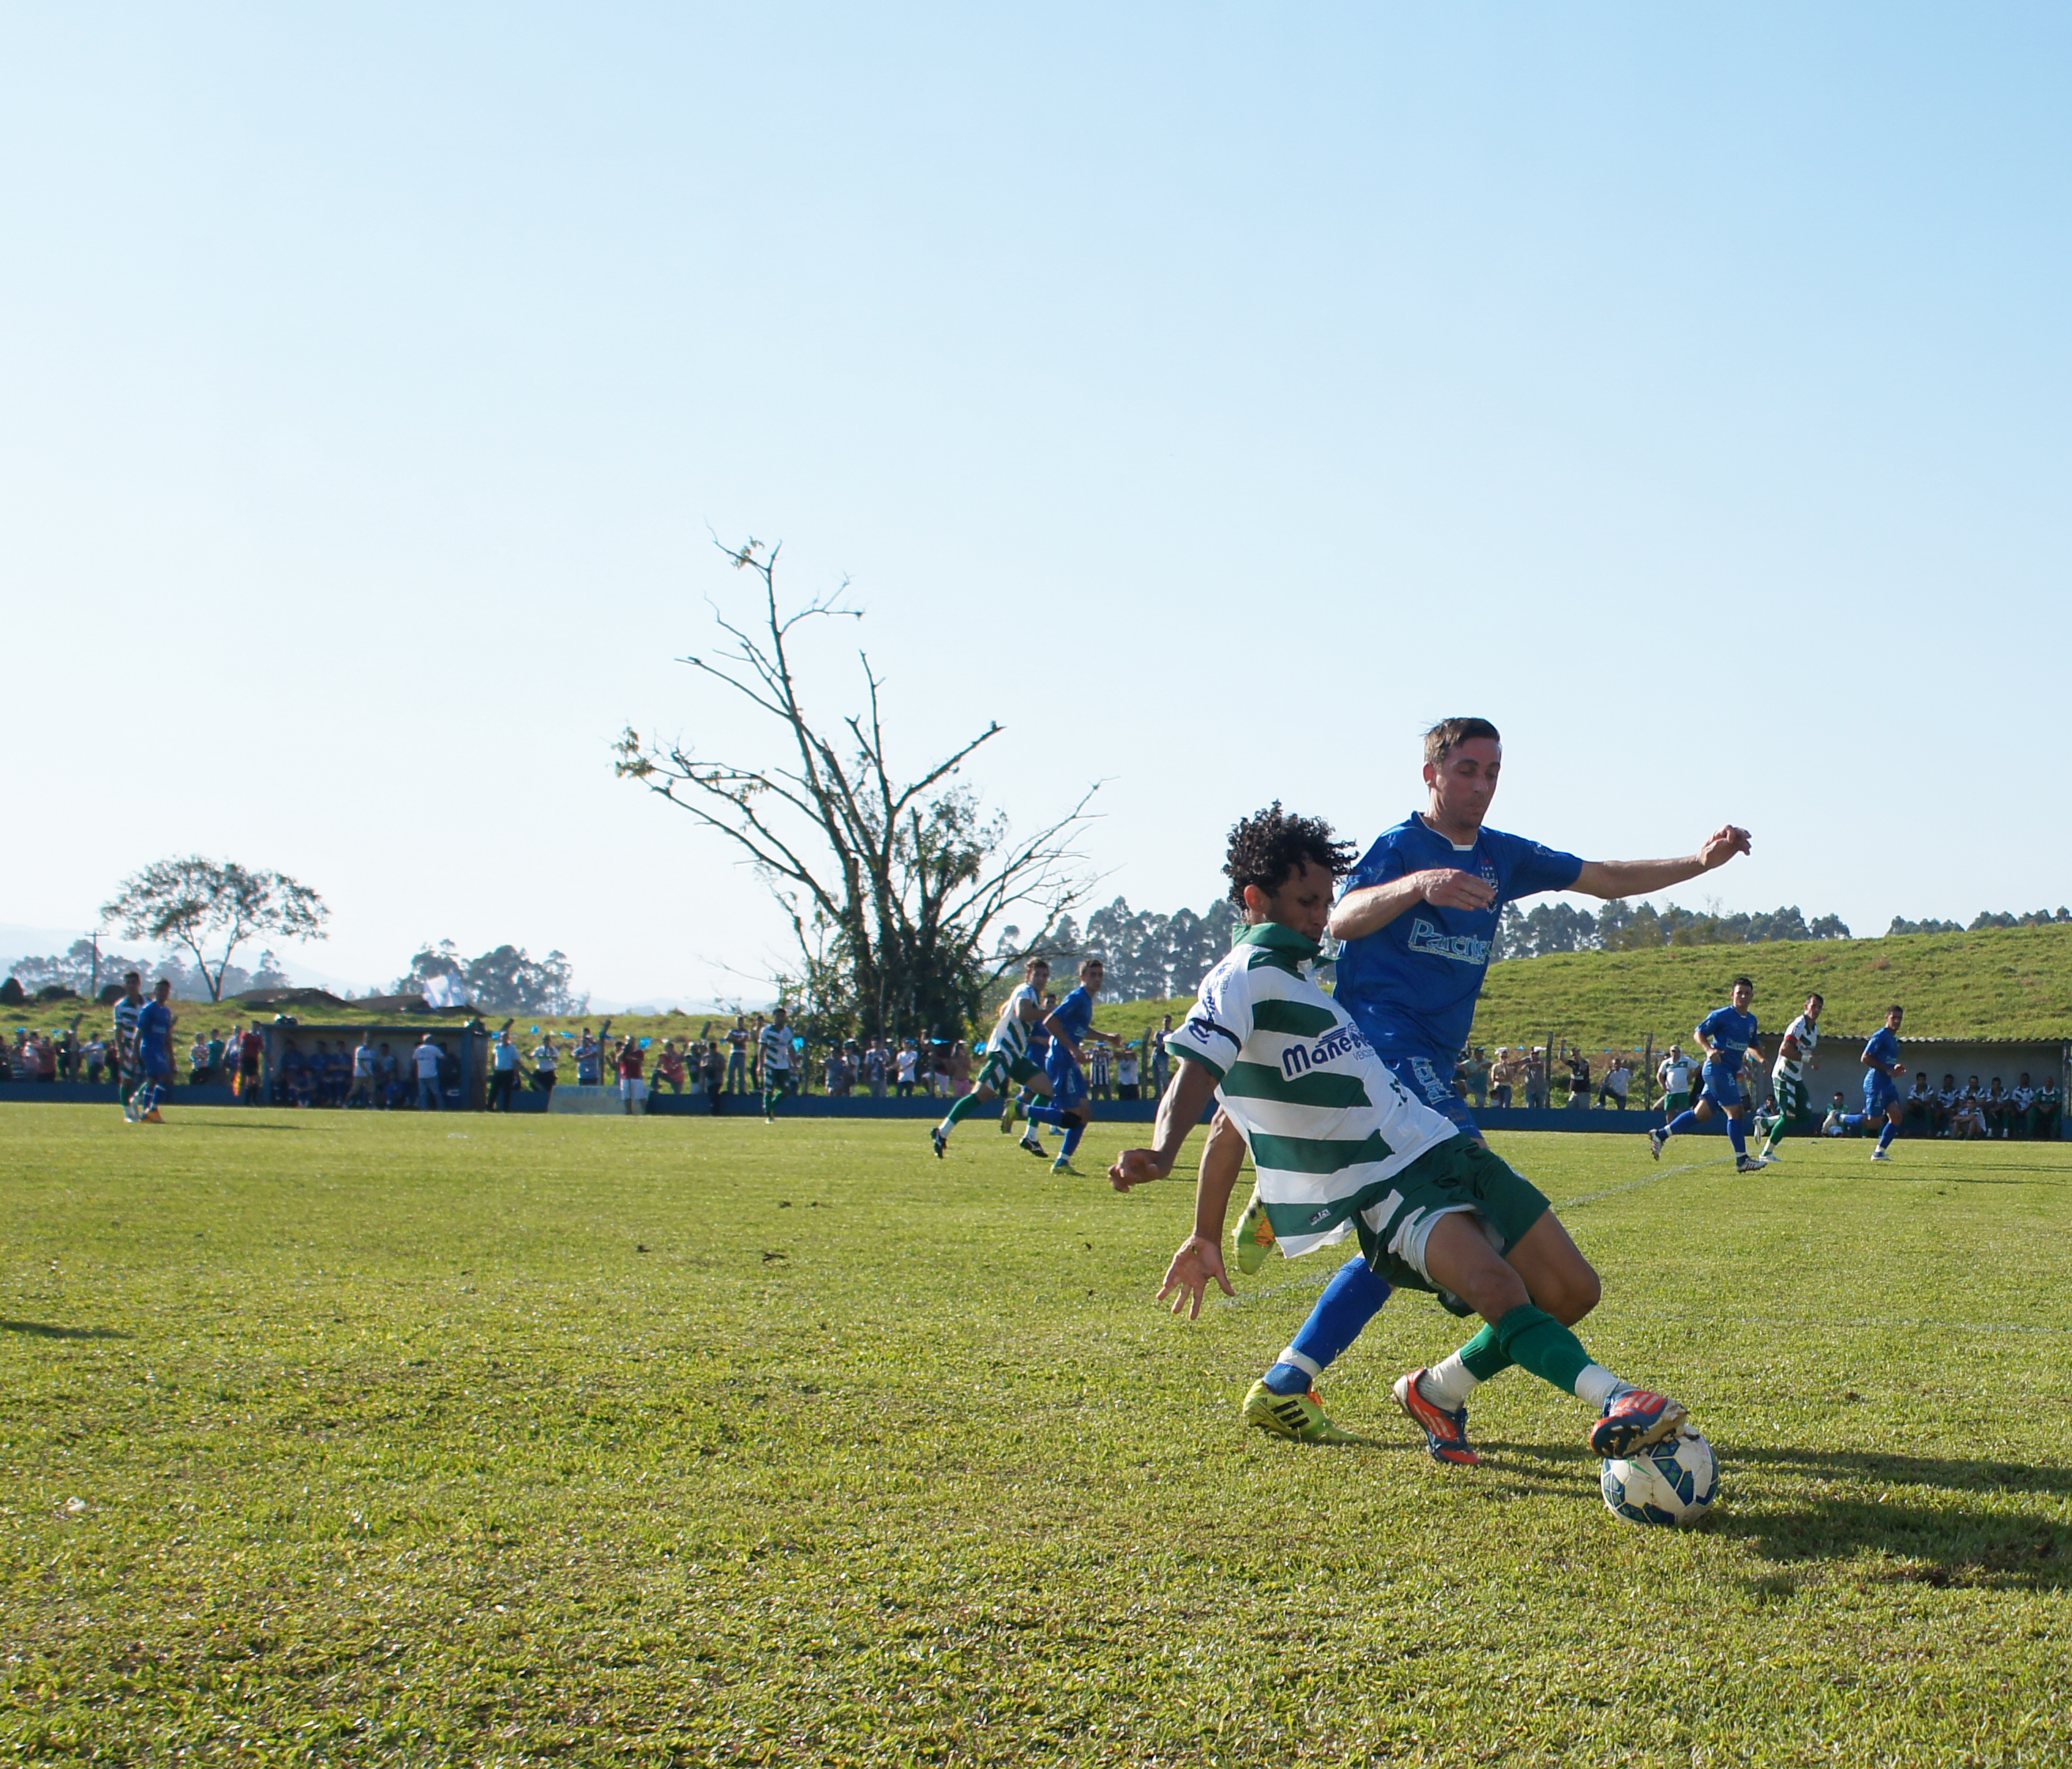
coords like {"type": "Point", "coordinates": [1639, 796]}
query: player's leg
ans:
{"type": "Point", "coordinates": [1285, 1400]}
{"type": "Point", "coordinates": [992, 1076]}
{"type": "Point", "coordinates": [1790, 1102]}
{"type": "Point", "coordinates": [1556, 1275]}
{"type": "Point", "coordinates": [1457, 1256]}
{"type": "Point", "coordinates": [1693, 1117]}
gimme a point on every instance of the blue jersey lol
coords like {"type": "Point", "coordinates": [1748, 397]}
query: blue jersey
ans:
{"type": "Point", "coordinates": [1075, 1018]}
{"type": "Point", "coordinates": [154, 1037]}
{"type": "Point", "coordinates": [1882, 1047]}
{"type": "Point", "coordinates": [1411, 986]}
{"type": "Point", "coordinates": [1731, 1032]}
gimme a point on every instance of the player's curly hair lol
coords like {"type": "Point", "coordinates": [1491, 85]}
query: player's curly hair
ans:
{"type": "Point", "coordinates": [1266, 848]}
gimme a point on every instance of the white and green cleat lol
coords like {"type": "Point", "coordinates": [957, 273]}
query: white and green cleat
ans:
{"type": "Point", "coordinates": [1252, 1240]}
{"type": "Point", "coordinates": [1299, 1417]}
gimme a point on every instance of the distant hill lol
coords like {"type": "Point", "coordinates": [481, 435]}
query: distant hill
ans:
{"type": "Point", "coordinates": [2010, 982]}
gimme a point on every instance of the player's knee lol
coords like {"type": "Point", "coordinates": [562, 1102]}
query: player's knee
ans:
{"type": "Point", "coordinates": [1577, 1293]}
{"type": "Point", "coordinates": [1493, 1290]}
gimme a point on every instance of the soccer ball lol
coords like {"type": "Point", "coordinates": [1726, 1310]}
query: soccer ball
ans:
{"type": "Point", "coordinates": [1671, 1483]}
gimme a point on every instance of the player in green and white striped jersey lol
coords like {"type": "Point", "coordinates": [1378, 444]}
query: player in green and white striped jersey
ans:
{"type": "Point", "coordinates": [1008, 1062]}
{"type": "Point", "coordinates": [1340, 1149]}
{"type": "Point", "coordinates": [1787, 1079]}
{"type": "Point", "coordinates": [128, 1075]}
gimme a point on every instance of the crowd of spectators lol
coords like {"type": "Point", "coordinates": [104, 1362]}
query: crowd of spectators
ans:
{"type": "Point", "coordinates": [2025, 1112]}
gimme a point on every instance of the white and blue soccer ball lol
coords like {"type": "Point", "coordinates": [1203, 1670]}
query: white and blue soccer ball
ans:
{"type": "Point", "coordinates": [1670, 1484]}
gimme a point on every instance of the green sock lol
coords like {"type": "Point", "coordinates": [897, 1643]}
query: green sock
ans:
{"type": "Point", "coordinates": [963, 1108]}
{"type": "Point", "coordinates": [1483, 1357]}
{"type": "Point", "coordinates": [1534, 1338]}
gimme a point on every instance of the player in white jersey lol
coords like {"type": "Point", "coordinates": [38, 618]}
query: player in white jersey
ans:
{"type": "Point", "coordinates": [1342, 1148]}
{"type": "Point", "coordinates": [1007, 1060]}
{"type": "Point", "coordinates": [1787, 1077]}
{"type": "Point", "coordinates": [775, 1045]}
{"type": "Point", "coordinates": [1028, 1000]}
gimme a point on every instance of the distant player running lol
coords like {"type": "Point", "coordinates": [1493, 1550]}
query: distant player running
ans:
{"type": "Point", "coordinates": [1341, 1149]}
{"type": "Point", "coordinates": [1419, 918]}
{"type": "Point", "coordinates": [1882, 1069]}
{"type": "Point", "coordinates": [1007, 1060]}
{"type": "Point", "coordinates": [1070, 1025]}
{"type": "Point", "coordinates": [1787, 1078]}
{"type": "Point", "coordinates": [1728, 1034]}
{"type": "Point", "coordinates": [154, 1054]}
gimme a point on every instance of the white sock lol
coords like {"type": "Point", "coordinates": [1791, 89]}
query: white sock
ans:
{"type": "Point", "coordinates": [1309, 1366]}
{"type": "Point", "coordinates": [1597, 1386]}
{"type": "Point", "coordinates": [1449, 1383]}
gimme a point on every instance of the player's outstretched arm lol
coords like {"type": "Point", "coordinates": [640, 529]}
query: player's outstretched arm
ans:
{"type": "Point", "coordinates": [1187, 1095]}
{"type": "Point", "coordinates": [1200, 1258]}
{"type": "Point", "coordinates": [1637, 877]}
{"type": "Point", "coordinates": [1373, 907]}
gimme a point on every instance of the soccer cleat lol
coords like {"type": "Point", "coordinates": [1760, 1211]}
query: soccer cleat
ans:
{"type": "Point", "coordinates": [1007, 1120]}
{"type": "Point", "coordinates": [1445, 1434]}
{"type": "Point", "coordinates": [1832, 1125]}
{"type": "Point", "coordinates": [1299, 1417]}
{"type": "Point", "coordinates": [1062, 1165]}
{"type": "Point", "coordinates": [151, 1116]}
{"type": "Point", "coordinates": [1634, 1421]}
{"type": "Point", "coordinates": [1252, 1240]}
{"type": "Point", "coordinates": [1880, 1154]}
{"type": "Point", "coordinates": [1747, 1163]}
{"type": "Point", "coordinates": [1773, 1154]}
{"type": "Point", "coordinates": [1033, 1145]}
{"type": "Point", "coordinates": [1656, 1139]}
{"type": "Point", "coordinates": [938, 1140]}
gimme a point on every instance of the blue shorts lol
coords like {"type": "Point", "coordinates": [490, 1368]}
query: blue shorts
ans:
{"type": "Point", "coordinates": [1880, 1095]}
{"type": "Point", "coordinates": [1721, 1087]}
{"type": "Point", "coordinates": [1428, 1080]}
{"type": "Point", "coordinates": [1069, 1091]}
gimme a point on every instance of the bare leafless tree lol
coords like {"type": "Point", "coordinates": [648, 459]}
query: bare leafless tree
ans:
{"type": "Point", "coordinates": [891, 887]}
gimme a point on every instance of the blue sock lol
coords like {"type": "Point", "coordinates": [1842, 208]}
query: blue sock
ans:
{"type": "Point", "coordinates": [1684, 1123]}
{"type": "Point", "coordinates": [1072, 1140]}
{"type": "Point", "coordinates": [1046, 1114]}
{"type": "Point", "coordinates": [1738, 1136]}
{"type": "Point", "coordinates": [1886, 1135]}
{"type": "Point", "coordinates": [1853, 1120]}
{"type": "Point", "coordinates": [1352, 1298]}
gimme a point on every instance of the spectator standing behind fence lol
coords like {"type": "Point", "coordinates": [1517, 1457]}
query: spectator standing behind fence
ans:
{"type": "Point", "coordinates": [737, 1056]}
{"type": "Point", "coordinates": [1578, 1078]}
{"type": "Point", "coordinates": [1162, 1064]}
{"type": "Point", "coordinates": [546, 1066]}
{"type": "Point", "coordinates": [876, 1061]}
{"type": "Point", "coordinates": [631, 1060]}
{"type": "Point", "coordinates": [1674, 1076]}
{"type": "Point", "coordinates": [197, 1061]}
{"type": "Point", "coordinates": [1100, 1071]}
{"type": "Point", "coordinates": [715, 1075]}
{"type": "Point", "coordinates": [837, 1074]}
{"type": "Point", "coordinates": [1616, 1083]}
{"type": "Point", "coordinates": [589, 1060]}
{"type": "Point", "coordinates": [1126, 1072]}
{"type": "Point", "coordinates": [426, 1056]}
{"type": "Point", "coordinates": [669, 1067]}
{"type": "Point", "coordinates": [366, 1071]}
{"type": "Point", "coordinates": [504, 1071]}
{"type": "Point", "coordinates": [1535, 1080]}
{"type": "Point", "coordinates": [910, 1060]}
{"type": "Point", "coordinates": [1478, 1077]}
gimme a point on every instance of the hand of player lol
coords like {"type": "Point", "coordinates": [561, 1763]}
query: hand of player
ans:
{"type": "Point", "coordinates": [1135, 1166]}
{"type": "Point", "coordinates": [1187, 1277]}
{"type": "Point", "coordinates": [1449, 890]}
{"type": "Point", "coordinates": [1722, 845]}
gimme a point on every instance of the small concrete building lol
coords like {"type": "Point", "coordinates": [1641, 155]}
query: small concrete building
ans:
{"type": "Point", "coordinates": [1837, 1064]}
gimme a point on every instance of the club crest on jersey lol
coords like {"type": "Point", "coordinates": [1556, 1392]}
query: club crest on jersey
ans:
{"type": "Point", "coordinates": [1300, 1058]}
{"type": "Point", "coordinates": [1462, 948]}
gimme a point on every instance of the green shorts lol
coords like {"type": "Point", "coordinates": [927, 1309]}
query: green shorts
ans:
{"type": "Point", "coordinates": [1001, 1069]}
{"type": "Point", "coordinates": [1789, 1092]}
{"type": "Point", "coordinates": [1675, 1103]}
{"type": "Point", "coordinates": [1459, 1175]}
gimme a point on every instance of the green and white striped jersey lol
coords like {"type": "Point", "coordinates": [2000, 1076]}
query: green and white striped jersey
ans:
{"type": "Point", "coordinates": [1328, 1125]}
{"type": "Point", "coordinates": [1808, 1035]}
{"type": "Point", "coordinates": [1010, 1032]}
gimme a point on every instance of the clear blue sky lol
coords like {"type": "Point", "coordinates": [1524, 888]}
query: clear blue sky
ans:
{"type": "Point", "coordinates": [1213, 394]}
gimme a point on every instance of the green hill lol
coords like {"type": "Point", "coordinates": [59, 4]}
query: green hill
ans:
{"type": "Point", "coordinates": [2007, 982]}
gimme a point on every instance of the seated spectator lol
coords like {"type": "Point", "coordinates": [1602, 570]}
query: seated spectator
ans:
{"type": "Point", "coordinates": [2043, 1115]}
{"type": "Point", "coordinates": [1998, 1108]}
{"type": "Point", "coordinates": [2021, 1101]}
{"type": "Point", "coordinates": [1618, 1079]}
{"type": "Point", "coordinates": [294, 1081]}
{"type": "Point", "coordinates": [1946, 1099]}
{"type": "Point", "coordinates": [1968, 1122]}
{"type": "Point", "coordinates": [1923, 1109]}
{"type": "Point", "coordinates": [1831, 1126]}
{"type": "Point", "coordinates": [669, 1067]}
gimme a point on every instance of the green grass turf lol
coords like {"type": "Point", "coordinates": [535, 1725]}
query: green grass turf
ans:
{"type": "Point", "coordinates": [351, 1438]}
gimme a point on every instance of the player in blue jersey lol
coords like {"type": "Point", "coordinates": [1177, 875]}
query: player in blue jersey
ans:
{"type": "Point", "coordinates": [1882, 1069]}
{"type": "Point", "coordinates": [154, 1053]}
{"type": "Point", "coordinates": [1728, 1035]}
{"type": "Point", "coordinates": [1417, 918]}
{"type": "Point", "coordinates": [1070, 1108]}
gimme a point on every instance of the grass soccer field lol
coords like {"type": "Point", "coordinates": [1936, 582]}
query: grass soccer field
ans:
{"type": "Point", "coordinates": [359, 1438]}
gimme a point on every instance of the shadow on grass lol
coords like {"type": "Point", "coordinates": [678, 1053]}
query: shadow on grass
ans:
{"type": "Point", "coordinates": [1941, 1543]}
{"type": "Point", "coordinates": [43, 1330]}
